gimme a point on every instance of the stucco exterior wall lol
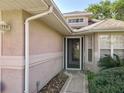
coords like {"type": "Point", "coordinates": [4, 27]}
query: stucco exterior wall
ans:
{"type": "Point", "coordinates": [12, 80]}
{"type": "Point", "coordinates": [13, 41]}
{"type": "Point", "coordinates": [12, 53]}
{"type": "Point", "coordinates": [46, 53]}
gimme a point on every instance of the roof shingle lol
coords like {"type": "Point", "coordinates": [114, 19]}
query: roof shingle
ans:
{"type": "Point", "coordinates": [108, 24]}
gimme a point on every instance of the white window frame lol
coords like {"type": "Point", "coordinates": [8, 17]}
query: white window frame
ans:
{"type": "Point", "coordinates": [75, 20]}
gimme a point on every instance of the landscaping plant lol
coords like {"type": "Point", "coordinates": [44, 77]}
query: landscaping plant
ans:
{"type": "Point", "coordinates": [107, 81]}
{"type": "Point", "coordinates": [110, 62]}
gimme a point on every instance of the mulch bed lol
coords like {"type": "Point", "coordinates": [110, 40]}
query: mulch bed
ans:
{"type": "Point", "coordinates": [55, 85]}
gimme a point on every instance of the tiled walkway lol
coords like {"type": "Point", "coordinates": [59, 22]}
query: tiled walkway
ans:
{"type": "Point", "coordinates": [76, 83]}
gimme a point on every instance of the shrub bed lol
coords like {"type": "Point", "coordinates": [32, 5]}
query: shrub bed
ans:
{"type": "Point", "coordinates": [55, 84]}
{"type": "Point", "coordinates": [107, 81]}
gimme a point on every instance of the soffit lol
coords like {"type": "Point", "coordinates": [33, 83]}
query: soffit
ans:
{"type": "Point", "coordinates": [31, 6]}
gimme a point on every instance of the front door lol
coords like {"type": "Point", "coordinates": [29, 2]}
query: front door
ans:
{"type": "Point", "coordinates": [73, 54]}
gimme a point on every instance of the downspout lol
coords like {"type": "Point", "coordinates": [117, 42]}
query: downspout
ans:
{"type": "Point", "coordinates": [27, 22]}
{"type": "Point", "coordinates": [0, 54]}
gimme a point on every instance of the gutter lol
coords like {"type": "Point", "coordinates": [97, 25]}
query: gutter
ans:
{"type": "Point", "coordinates": [95, 31]}
{"type": "Point", "coordinates": [62, 20]}
{"type": "Point", "coordinates": [27, 63]}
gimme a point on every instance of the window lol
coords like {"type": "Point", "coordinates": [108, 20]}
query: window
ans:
{"type": "Point", "coordinates": [118, 45]}
{"type": "Point", "coordinates": [89, 48]}
{"type": "Point", "coordinates": [112, 44]}
{"type": "Point", "coordinates": [105, 41]}
{"type": "Point", "coordinates": [105, 45]}
{"type": "Point", "coordinates": [81, 20]}
{"type": "Point", "coordinates": [118, 41]}
{"type": "Point", "coordinates": [90, 55]}
{"type": "Point", "coordinates": [104, 52]}
{"type": "Point", "coordinates": [119, 52]}
{"type": "Point", "coordinates": [75, 20]}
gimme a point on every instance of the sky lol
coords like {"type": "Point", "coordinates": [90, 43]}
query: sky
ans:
{"type": "Point", "coordinates": [74, 5]}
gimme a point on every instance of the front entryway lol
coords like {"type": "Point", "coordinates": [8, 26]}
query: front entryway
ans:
{"type": "Point", "coordinates": [73, 53]}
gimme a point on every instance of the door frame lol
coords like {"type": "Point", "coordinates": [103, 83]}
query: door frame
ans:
{"type": "Point", "coordinates": [66, 50]}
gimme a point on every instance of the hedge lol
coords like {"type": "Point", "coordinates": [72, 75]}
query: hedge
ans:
{"type": "Point", "coordinates": [107, 81]}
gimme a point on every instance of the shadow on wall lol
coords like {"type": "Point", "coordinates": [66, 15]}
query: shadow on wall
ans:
{"type": "Point", "coordinates": [2, 86]}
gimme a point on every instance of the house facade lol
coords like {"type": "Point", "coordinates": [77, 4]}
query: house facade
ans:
{"type": "Point", "coordinates": [36, 43]}
{"type": "Point", "coordinates": [94, 41]}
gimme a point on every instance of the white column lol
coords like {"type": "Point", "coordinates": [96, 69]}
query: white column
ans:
{"type": "Point", "coordinates": [80, 53]}
{"type": "Point", "coordinates": [93, 49]}
{"type": "Point", "coordinates": [86, 49]}
{"type": "Point", "coordinates": [97, 48]}
{"type": "Point", "coordinates": [111, 44]}
{"type": "Point", "coordinates": [66, 52]}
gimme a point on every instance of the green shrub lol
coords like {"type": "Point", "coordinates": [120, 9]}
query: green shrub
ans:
{"type": "Point", "coordinates": [110, 62]}
{"type": "Point", "coordinates": [108, 81]}
{"type": "Point", "coordinates": [90, 75]}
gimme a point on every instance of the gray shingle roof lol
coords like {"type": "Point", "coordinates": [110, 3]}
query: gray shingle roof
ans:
{"type": "Point", "coordinates": [108, 24]}
{"type": "Point", "coordinates": [78, 13]}
{"type": "Point", "coordinates": [75, 12]}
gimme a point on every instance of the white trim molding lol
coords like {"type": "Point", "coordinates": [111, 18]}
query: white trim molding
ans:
{"type": "Point", "coordinates": [12, 62]}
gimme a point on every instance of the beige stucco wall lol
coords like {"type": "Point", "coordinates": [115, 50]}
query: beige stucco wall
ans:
{"type": "Point", "coordinates": [46, 53]}
{"type": "Point", "coordinates": [13, 41]}
{"type": "Point", "coordinates": [12, 80]}
{"type": "Point", "coordinates": [46, 50]}
{"type": "Point", "coordinates": [12, 52]}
